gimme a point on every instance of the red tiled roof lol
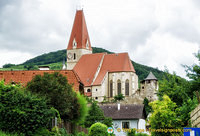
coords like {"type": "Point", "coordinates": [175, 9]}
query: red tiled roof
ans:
{"type": "Point", "coordinates": [119, 62]}
{"type": "Point", "coordinates": [87, 67]}
{"type": "Point", "coordinates": [79, 32]}
{"type": "Point", "coordinates": [24, 77]}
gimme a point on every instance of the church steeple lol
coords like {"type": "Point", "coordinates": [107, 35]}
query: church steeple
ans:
{"type": "Point", "coordinates": [79, 38]}
{"type": "Point", "coordinates": [79, 42]}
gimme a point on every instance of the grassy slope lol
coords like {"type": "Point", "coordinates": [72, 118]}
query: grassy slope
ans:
{"type": "Point", "coordinates": [55, 59]}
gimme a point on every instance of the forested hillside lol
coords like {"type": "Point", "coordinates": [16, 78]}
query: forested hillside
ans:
{"type": "Point", "coordinates": [55, 59]}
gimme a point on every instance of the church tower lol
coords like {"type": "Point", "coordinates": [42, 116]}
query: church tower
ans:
{"type": "Point", "coordinates": [79, 42]}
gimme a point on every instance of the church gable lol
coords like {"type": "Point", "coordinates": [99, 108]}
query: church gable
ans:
{"type": "Point", "coordinates": [119, 62]}
{"type": "Point", "coordinates": [87, 67]}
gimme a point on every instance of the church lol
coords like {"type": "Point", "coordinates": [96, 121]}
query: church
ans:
{"type": "Point", "coordinates": [102, 74]}
{"type": "Point", "coordinates": [98, 75]}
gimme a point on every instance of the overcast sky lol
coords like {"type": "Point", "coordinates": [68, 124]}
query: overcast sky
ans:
{"type": "Point", "coordinates": [156, 33]}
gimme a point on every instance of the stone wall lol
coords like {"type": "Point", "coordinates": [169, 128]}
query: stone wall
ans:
{"type": "Point", "coordinates": [195, 117]}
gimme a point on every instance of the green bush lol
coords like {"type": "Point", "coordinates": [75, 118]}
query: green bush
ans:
{"type": "Point", "coordinates": [98, 129]}
{"type": "Point", "coordinates": [22, 112]}
{"type": "Point", "coordinates": [42, 132]}
{"type": "Point", "coordinates": [81, 134]}
{"type": "Point", "coordinates": [141, 134]}
{"type": "Point", "coordinates": [9, 134]}
{"type": "Point", "coordinates": [132, 132]}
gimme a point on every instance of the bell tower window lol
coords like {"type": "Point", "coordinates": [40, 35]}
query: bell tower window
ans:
{"type": "Point", "coordinates": [74, 56]}
{"type": "Point", "coordinates": [74, 44]}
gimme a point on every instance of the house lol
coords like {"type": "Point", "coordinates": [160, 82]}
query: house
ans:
{"type": "Point", "coordinates": [125, 117]}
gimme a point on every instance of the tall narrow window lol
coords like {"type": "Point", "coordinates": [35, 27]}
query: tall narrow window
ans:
{"type": "Point", "coordinates": [118, 87]}
{"type": "Point", "coordinates": [111, 88]}
{"type": "Point", "coordinates": [127, 87]}
{"type": "Point", "coordinates": [74, 56]}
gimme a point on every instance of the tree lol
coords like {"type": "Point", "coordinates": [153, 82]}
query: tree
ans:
{"type": "Point", "coordinates": [119, 97]}
{"type": "Point", "coordinates": [177, 88]}
{"type": "Point", "coordinates": [83, 109]}
{"type": "Point", "coordinates": [58, 92]}
{"type": "Point", "coordinates": [147, 108]}
{"type": "Point", "coordinates": [164, 116]}
{"type": "Point", "coordinates": [95, 114]}
{"type": "Point", "coordinates": [193, 72]}
{"type": "Point", "coordinates": [22, 112]}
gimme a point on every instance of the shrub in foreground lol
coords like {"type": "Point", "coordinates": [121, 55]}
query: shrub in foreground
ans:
{"type": "Point", "coordinates": [22, 112]}
{"type": "Point", "coordinates": [98, 129]}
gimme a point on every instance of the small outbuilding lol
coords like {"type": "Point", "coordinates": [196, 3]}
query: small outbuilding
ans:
{"type": "Point", "coordinates": [125, 117]}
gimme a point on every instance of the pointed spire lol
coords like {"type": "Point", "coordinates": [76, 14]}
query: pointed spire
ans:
{"type": "Point", "coordinates": [151, 77]}
{"type": "Point", "coordinates": [64, 65]}
{"type": "Point", "coordinates": [79, 38]}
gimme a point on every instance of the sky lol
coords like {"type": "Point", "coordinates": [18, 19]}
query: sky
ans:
{"type": "Point", "coordinates": [157, 33]}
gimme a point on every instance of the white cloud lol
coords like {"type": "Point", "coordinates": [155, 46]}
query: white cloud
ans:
{"type": "Point", "coordinates": [13, 57]}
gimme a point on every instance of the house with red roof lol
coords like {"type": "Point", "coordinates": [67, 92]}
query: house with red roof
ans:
{"type": "Point", "coordinates": [102, 74]}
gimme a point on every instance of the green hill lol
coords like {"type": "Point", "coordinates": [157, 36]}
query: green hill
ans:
{"type": "Point", "coordinates": [55, 59]}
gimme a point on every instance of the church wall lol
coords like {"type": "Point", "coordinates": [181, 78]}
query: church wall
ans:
{"type": "Point", "coordinates": [101, 90]}
{"type": "Point", "coordinates": [123, 76]}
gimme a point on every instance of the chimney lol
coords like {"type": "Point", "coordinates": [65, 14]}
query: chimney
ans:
{"type": "Point", "coordinates": [118, 106]}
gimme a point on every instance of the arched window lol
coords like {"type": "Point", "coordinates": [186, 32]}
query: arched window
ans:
{"type": "Point", "coordinates": [119, 87]}
{"type": "Point", "coordinates": [127, 87]}
{"type": "Point", "coordinates": [111, 88]}
{"type": "Point", "coordinates": [74, 56]}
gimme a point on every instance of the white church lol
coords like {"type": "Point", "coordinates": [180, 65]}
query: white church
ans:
{"type": "Point", "coordinates": [102, 74]}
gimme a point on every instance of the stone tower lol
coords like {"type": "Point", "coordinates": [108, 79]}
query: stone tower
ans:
{"type": "Point", "coordinates": [149, 87]}
{"type": "Point", "coordinates": [79, 42]}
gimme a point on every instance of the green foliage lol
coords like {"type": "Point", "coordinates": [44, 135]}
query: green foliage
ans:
{"type": "Point", "coordinates": [142, 71]}
{"type": "Point", "coordinates": [98, 129]}
{"type": "Point", "coordinates": [193, 72]}
{"type": "Point", "coordinates": [132, 132]}
{"type": "Point", "coordinates": [8, 65]}
{"type": "Point", "coordinates": [96, 114]}
{"type": "Point", "coordinates": [107, 121]}
{"type": "Point", "coordinates": [148, 108]}
{"type": "Point", "coordinates": [83, 109]}
{"type": "Point", "coordinates": [184, 111]}
{"type": "Point", "coordinates": [58, 92]}
{"type": "Point", "coordinates": [141, 134]}
{"type": "Point", "coordinates": [119, 97]}
{"type": "Point", "coordinates": [42, 132]}
{"type": "Point", "coordinates": [9, 134]}
{"type": "Point", "coordinates": [51, 57]}
{"type": "Point", "coordinates": [177, 88]}
{"type": "Point", "coordinates": [81, 134]}
{"type": "Point", "coordinates": [22, 112]}
{"type": "Point", "coordinates": [164, 116]}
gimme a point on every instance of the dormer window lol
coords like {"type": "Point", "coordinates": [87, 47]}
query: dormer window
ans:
{"type": "Point", "coordinates": [74, 43]}
{"type": "Point", "coordinates": [87, 44]}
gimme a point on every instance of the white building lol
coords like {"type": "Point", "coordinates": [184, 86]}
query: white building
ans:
{"type": "Point", "coordinates": [126, 117]}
